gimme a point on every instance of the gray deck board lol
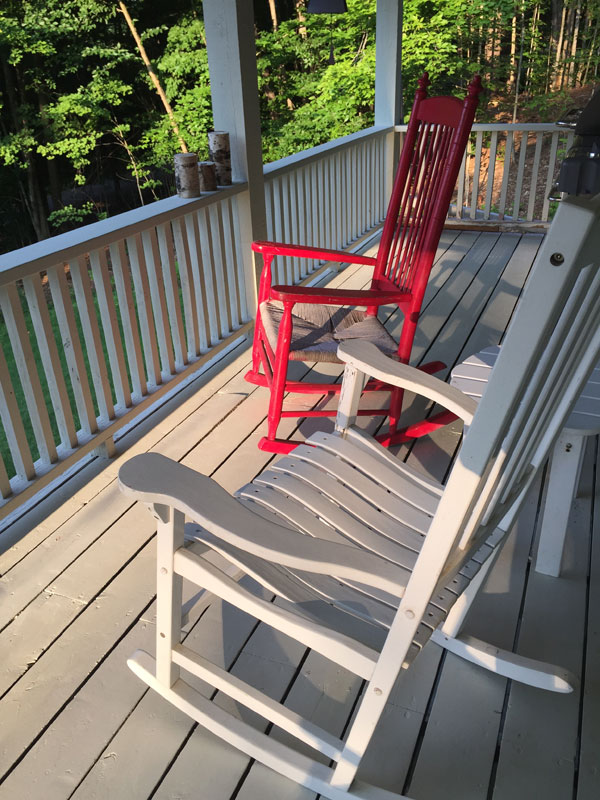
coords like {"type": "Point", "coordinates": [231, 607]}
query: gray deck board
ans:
{"type": "Point", "coordinates": [76, 598]}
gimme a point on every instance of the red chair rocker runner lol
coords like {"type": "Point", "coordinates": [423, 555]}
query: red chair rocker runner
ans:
{"type": "Point", "coordinates": [300, 323]}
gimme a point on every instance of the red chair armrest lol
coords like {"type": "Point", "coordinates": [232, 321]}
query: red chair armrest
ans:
{"type": "Point", "coordinates": [303, 251]}
{"type": "Point", "coordinates": [335, 297]}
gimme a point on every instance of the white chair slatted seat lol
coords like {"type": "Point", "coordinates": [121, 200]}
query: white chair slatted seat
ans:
{"type": "Point", "coordinates": [368, 558]}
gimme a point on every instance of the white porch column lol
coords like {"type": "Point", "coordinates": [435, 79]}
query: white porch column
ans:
{"type": "Point", "coordinates": [234, 90]}
{"type": "Point", "coordinates": [388, 77]}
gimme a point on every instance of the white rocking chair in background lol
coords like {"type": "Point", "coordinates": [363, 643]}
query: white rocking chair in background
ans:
{"type": "Point", "coordinates": [407, 553]}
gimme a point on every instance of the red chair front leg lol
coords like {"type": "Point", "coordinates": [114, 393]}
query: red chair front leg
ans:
{"type": "Point", "coordinates": [279, 380]}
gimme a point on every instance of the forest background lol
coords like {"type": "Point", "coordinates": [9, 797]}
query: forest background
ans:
{"type": "Point", "coordinates": [85, 135]}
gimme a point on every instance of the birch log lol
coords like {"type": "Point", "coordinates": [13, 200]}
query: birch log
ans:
{"type": "Point", "coordinates": [220, 153]}
{"type": "Point", "coordinates": [186, 175]}
{"type": "Point", "coordinates": [207, 173]}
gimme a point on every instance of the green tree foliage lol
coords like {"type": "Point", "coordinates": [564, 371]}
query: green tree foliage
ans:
{"type": "Point", "coordinates": [83, 133]}
{"type": "Point", "coordinates": [77, 108]}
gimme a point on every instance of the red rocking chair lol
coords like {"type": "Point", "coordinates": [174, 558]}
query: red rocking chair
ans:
{"type": "Point", "coordinates": [299, 323]}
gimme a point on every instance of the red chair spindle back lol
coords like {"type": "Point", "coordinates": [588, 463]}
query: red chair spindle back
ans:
{"type": "Point", "coordinates": [423, 186]}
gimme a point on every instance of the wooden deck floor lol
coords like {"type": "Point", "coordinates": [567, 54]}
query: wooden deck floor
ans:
{"type": "Point", "coordinates": [77, 597]}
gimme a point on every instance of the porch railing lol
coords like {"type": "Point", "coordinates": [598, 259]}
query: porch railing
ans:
{"type": "Point", "coordinates": [508, 172]}
{"type": "Point", "coordinates": [100, 323]}
{"type": "Point", "coordinates": [327, 196]}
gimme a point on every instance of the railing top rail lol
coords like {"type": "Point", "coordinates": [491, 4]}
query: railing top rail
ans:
{"type": "Point", "coordinates": [535, 127]}
{"type": "Point", "coordinates": [289, 163]}
{"type": "Point", "coordinates": [36, 257]}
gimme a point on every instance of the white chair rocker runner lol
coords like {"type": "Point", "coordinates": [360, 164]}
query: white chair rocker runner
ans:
{"type": "Point", "coordinates": [407, 553]}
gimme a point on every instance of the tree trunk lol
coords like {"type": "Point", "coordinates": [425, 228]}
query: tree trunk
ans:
{"type": "Point", "coordinates": [559, 46]}
{"type": "Point", "coordinates": [152, 74]}
{"type": "Point", "coordinates": [575, 37]}
{"type": "Point", "coordinates": [32, 195]}
{"type": "Point", "coordinates": [301, 18]}
{"type": "Point", "coordinates": [273, 11]}
{"type": "Point", "coordinates": [513, 51]}
{"type": "Point", "coordinates": [532, 47]}
{"type": "Point", "coordinates": [591, 50]}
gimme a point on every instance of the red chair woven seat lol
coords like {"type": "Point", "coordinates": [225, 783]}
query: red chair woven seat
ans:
{"type": "Point", "coordinates": [317, 330]}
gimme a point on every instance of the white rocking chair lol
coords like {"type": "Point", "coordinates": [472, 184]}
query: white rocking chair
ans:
{"type": "Point", "coordinates": [407, 553]}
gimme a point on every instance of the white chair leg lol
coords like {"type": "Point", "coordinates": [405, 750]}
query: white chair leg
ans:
{"type": "Point", "coordinates": [565, 467]}
{"type": "Point", "coordinates": [170, 537]}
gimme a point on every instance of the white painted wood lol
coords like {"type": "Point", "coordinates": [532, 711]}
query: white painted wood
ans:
{"type": "Point", "coordinates": [476, 173]}
{"type": "Point", "coordinates": [232, 266]}
{"type": "Point", "coordinates": [170, 534]}
{"type": "Point", "coordinates": [112, 336]}
{"type": "Point", "coordinates": [359, 354]}
{"type": "Point", "coordinates": [91, 334]}
{"type": "Point", "coordinates": [338, 201]}
{"type": "Point", "coordinates": [491, 175]}
{"type": "Point", "coordinates": [534, 175]}
{"type": "Point", "coordinates": [506, 168]}
{"type": "Point", "coordinates": [334, 645]}
{"type": "Point", "coordinates": [450, 732]}
{"type": "Point", "coordinates": [232, 66]}
{"type": "Point", "coordinates": [460, 191]}
{"type": "Point", "coordinates": [508, 664]}
{"type": "Point", "coordinates": [144, 306]}
{"type": "Point", "coordinates": [40, 319]}
{"type": "Point", "coordinates": [279, 757]}
{"type": "Point", "coordinates": [388, 64]}
{"type": "Point", "coordinates": [243, 693]}
{"type": "Point", "coordinates": [67, 246]}
{"type": "Point", "coordinates": [565, 467]}
{"type": "Point", "coordinates": [200, 306]}
{"type": "Point", "coordinates": [520, 174]}
{"type": "Point", "coordinates": [550, 174]}
{"type": "Point", "coordinates": [5, 487]}
{"type": "Point", "coordinates": [500, 127]}
{"type": "Point", "coordinates": [72, 349]}
{"type": "Point", "coordinates": [166, 248]}
{"type": "Point", "coordinates": [13, 425]}
{"type": "Point", "coordinates": [221, 283]}
{"type": "Point", "coordinates": [188, 297]}
{"type": "Point", "coordinates": [208, 276]}
{"type": "Point", "coordinates": [245, 291]}
{"type": "Point", "coordinates": [301, 217]}
{"type": "Point", "coordinates": [122, 277]}
{"type": "Point", "coordinates": [265, 658]}
{"type": "Point", "coordinates": [14, 320]}
{"type": "Point", "coordinates": [152, 264]}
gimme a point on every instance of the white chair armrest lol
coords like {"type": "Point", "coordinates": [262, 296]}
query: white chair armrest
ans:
{"type": "Point", "coordinates": [368, 359]}
{"type": "Point", "coordinates": [154, 479]}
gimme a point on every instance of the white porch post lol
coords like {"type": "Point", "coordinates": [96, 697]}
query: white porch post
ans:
{"type": "Point", "coordinates": [388, 77]}
{"type": "Point", "coordinates": [234, 89]}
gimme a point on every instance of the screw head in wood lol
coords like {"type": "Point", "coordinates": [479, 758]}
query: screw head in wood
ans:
{"type": "Point", "coordinates": [163, 570]}
{"type": "Point", "coordinates": [556, 259]}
